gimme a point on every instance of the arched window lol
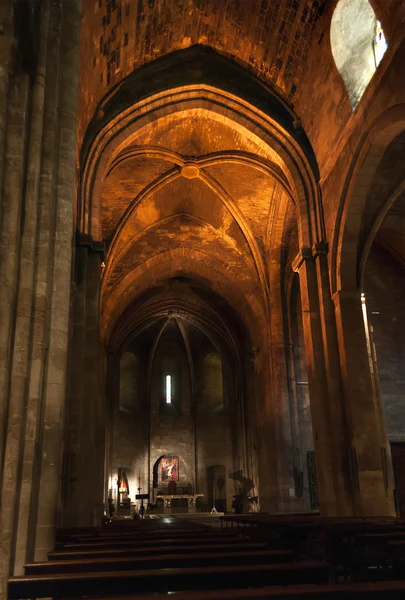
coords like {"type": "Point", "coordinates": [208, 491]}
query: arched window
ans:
{"type": "Point", "coordinates": [358, 45]}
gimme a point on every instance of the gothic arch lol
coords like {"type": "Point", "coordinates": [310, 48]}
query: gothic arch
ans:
{"type": "Point", "coordinates": [260, 114]}
{"type": "Point", "coordinates": [345, 268]}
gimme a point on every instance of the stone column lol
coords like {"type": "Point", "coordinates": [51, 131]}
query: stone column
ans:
{"type": "Point", "coordinates": [86, 411]}
{"type": "Point", "coordinates": [54, 391]}
{"type": "Point", "coordinates": [35, 277]}
{"type": "Point", "coordinates": [93, 412]}
{"type": "Point", "coordinates": [337, 416]}
{"type": "Point", "coordinates": [318, 384]}
{"type": "Point", "coordinates": [285, 450]}
{"type": "Point", "coordinates": [266, 431]}
{"type": "Point", "coordinates": [366, 439]}
{"type": "Point", "coordinates": [23, 305]}
{"type": "Point", "coordinates": [47, 209]}
{"type": "Point", "coordinates": [10, 238]}
{"type": "Point", "coordinates": [301, 425]}
{"type": "Point", "coordinates": [6, 51]}
{"type": "Point", "coordinates": [73, 415]}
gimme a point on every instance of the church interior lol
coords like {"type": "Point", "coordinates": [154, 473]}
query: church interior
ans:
{"type": "Point", "coordinates": [202, 308]}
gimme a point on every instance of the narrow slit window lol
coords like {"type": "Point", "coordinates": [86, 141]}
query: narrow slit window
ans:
{"type": "Point", "coordinates": [168, 389]}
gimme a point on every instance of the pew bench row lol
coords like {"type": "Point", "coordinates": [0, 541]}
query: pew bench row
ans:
{"type": "Point", "coordinates": [167, 580]}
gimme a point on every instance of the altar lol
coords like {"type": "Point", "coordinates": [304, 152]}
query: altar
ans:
{"type": "Point", "coordinates": [168, 499]}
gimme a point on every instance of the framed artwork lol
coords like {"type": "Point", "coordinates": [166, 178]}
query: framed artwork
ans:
{"type": "Point", "coordinates": [169, 466]}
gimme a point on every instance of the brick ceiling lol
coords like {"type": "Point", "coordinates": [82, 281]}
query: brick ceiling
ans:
{"type": "Point", "coordinates": [271, 38]}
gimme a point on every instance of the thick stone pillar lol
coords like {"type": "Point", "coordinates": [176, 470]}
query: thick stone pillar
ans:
{"type": "Point", "coordinates": [73, 416]}
{"type": "Point", "coordinates": [45, 248]}
{"type": "Point", "coordinates": [7, 43]}
{"type": "Point", "coordinates": [288, 502]}
{"type": "Point", "coordinates": [23, 307]}
{"type": "Point", "coordinates": [301, 426]}
{"type": "Point", "coordinates": [35, 276]}
{"type": "Point", "coordinates": [10, 238]}
{"type": "Point", "coordinates": [86, 411]}
{"type": "Point", "coordinates": [280, 388]}
{"type": "Point", "coordinates": [367, 442]}
{"type": "Point", "coordinates": [55, 381]}
{"type": "Point", "coordinates": [93, 413]}
{"type": "Point", "coordinates": [264, 431]}
{"type": "Point", "coordinates": [318, 383]}
{"type": "Point", "coordinates": [337, 416]}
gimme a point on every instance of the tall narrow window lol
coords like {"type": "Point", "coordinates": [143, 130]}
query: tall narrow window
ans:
{"type": "Point", "coordinates": [168, 389]}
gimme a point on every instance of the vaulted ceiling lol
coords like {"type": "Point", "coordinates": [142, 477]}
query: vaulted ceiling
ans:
{"type": "Point", "coordinates": [191, 192]}
{"type": "Point", "coordinates": [194, 191]}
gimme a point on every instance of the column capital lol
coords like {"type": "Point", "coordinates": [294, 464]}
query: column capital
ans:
{"type": "Point", "coordinates": [304, 254]}
{"type": "Point", "coordinates": [84, 240]}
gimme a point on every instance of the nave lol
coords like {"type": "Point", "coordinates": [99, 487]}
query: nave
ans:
{"type": "Point", "coordinates": [202, 253]}
{"type": "Point", "coordinates": [245, 557]}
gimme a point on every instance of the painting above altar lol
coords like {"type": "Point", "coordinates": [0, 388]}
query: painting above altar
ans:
{"type": "Point", "coordinates": [169, 466]}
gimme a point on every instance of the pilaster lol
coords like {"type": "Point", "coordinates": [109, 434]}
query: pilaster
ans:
{"type": "Point", "coordinates": [337, 415]}
{"type": "Point", "coordinates": [288, 502]}
{"type": "Point", "coordinates": [85, 419]}
{"type": "Point", "coordinates": [366, 441]}
{"type": "Point", "coordinates": [349, 439]}
{"type": "Point", "coordinates": [305, 265]}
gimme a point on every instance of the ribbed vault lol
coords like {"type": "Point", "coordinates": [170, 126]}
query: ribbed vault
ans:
{"type": "Point", "coordinates": [191, 191]}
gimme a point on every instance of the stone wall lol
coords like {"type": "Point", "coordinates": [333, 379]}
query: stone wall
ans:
{"type": "Point", "coordinates": [130, 427]}
{"type": "Point", "coordinates": [271, 39]}
{"type": "Point", "coordinates": [385, 299]}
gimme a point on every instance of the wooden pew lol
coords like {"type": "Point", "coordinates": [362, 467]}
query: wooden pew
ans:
{"type": "Point", "coordinates": [394, 590]}
{"type": "Point", "coordinates": [151, 550]}
{"type": "Point", "coordinates": [341, 541]}
{"type": "Point", "coordinates": [397, 546]}
{"type": "Point", "coordinates": [160, 561]}
{"type": "Point", "coordinates": [165, 580]}
{"type": "Point", "coordinates": [94, 545]}
{"type": "Point", "coordinates": [387, 590]}
{"type": "Point", "coordinates": [147, 535]}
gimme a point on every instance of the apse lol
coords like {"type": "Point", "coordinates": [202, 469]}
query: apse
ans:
{"type": "Point", "coordinates": [178, 400]}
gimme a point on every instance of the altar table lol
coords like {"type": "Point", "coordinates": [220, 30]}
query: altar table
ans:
{"type": "Point", "coordinates": [168, 498]}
